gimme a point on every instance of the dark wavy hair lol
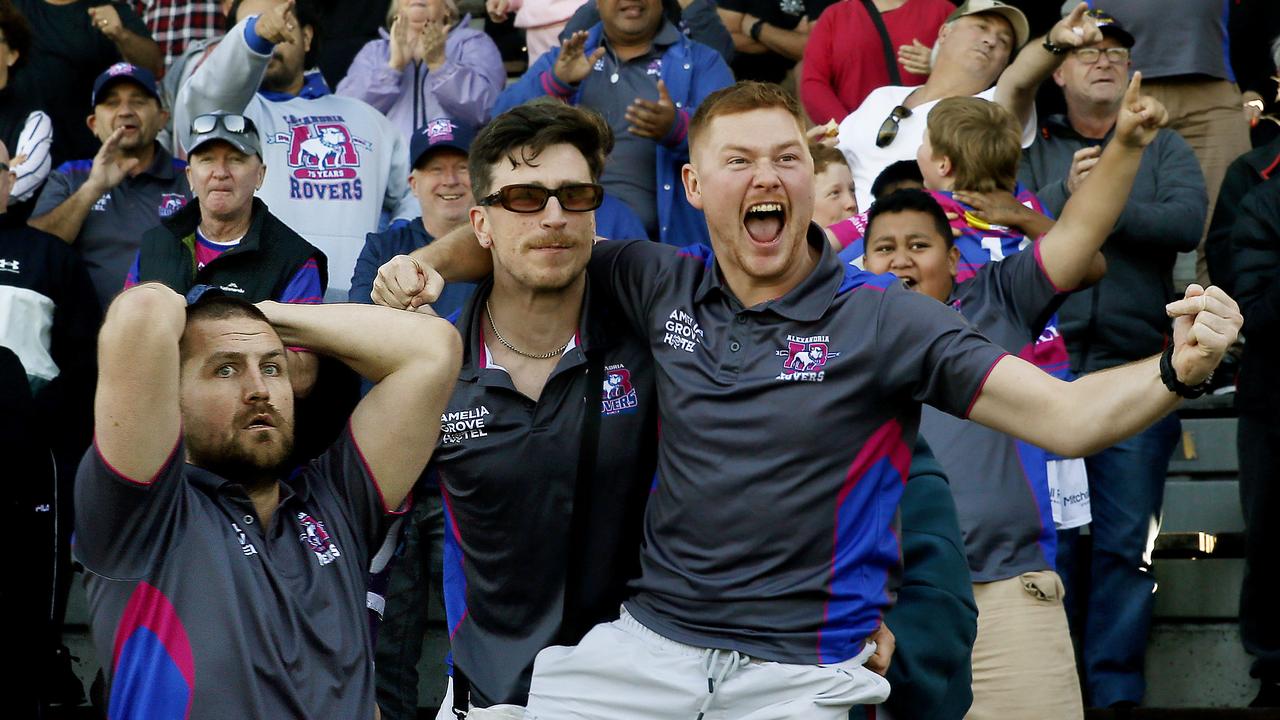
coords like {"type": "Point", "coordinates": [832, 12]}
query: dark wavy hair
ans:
{"type": "Point", "coordinates": [531, 128]}
{"type": "Point", "coordinates": [17, 33]}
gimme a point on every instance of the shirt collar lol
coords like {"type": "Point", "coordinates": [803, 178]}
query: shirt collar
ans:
{"type": "Point", "coordinates": [666, 36]}
{"type": "Point", "coordinates": [1060, 126]}
{"type": "Point", "coordinates": [805, 302]}
{"type": "Point", "coordinates": [295, 485]}
{"type": "Point", "coordinates": [598, 328]}
{"type": "Point", "coordinates": [161, 165]}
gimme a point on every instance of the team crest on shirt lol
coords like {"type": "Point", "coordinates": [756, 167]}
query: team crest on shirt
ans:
{"type": "Point", "coordinates": [171, 203]}
{"type": "Point", "coordinates": [618, 396]}
{"type": "Point", "coordinates": [806, 358]}
{"type": "Point", "coordinates": [314, 536]}
{"type": "Point", "coordinates": [654, 68]}
{"type": "Point", "coordinates": [323, 157]}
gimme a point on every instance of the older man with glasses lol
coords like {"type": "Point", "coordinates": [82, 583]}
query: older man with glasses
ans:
{"type": "Point", "coordinates": [1117, 321]}
{"type": "Point", "coordinates": [974, 55]}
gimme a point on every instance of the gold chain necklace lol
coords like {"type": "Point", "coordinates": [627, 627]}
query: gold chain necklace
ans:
{"type": "Point", "coordinates": [534, 356]}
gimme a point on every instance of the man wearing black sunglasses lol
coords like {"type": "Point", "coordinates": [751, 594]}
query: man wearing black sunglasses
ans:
{"type": "Point", "coordinates": [547, 448]}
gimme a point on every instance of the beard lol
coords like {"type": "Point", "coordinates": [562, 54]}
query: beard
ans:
{"type": "Point", "coordinates": [250, 461]}
{"type": "Point", "coordinates": [279, 76]}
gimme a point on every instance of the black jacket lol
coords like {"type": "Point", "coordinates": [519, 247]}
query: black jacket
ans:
{"type": "Point", "coordinates": [45, 284]}
{"type": "Point", "coordinates": [257, 269]}
{"type": "Point", "coordinates": [1243, 175]}
{"type": "Point", "coordinates": [1122, 318]}
{"type": "Point", "coordinates": [1255, 245]}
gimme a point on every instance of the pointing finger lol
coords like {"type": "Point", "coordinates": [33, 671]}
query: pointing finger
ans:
{"type": "Point", "coordinates": [1134, 91]}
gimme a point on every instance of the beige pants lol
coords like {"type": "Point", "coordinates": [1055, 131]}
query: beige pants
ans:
{"type": "Point", "coordinates": [1023, 663]}
{"type": "Point", "coordinates": [1209, 115]}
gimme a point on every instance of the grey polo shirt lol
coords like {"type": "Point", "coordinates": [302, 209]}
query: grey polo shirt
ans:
{"type": "Point", "coordinates": [1000, 483]}
{"type": "Point", "coordinates": [787, 430]}
{"type": "Point", "coordinates": [507, 466]}
{"type": "Point", "coordinates": [110, 235]}
{"type": "Point", "coordinates": [630, 173]}
{"type": "Point", "coordinates": [197, 611]}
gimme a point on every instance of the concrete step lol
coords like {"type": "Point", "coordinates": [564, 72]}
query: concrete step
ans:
{"type": "Point", "coordinates": [1197, 665]}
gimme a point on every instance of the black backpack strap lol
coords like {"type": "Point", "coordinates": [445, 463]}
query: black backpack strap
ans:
{"type": "Point", "coordinates": [890, 57]}
{"type": "Point", "coordinates": [572, 625]}
{"type": "Point", "coordinates": [461, 692]}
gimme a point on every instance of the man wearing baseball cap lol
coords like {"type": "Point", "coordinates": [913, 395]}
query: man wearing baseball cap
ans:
{"type": "Point", "coordinates": [227, 238]}
{"type": "Point", "coordinates": [1118, 320]}
{"type": "Point", "coordinates": [974, 55]}
{"type": "Point", "coordinates": [439, 179]}
{"type": "Point", "coordinates": [101, 205]}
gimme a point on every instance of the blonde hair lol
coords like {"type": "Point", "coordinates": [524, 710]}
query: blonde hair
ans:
{"type": "Point", "coordinates": [825, 156]}
{"type": "Point", "coordinates": [452, 14]}
{"type": "Point", "coordinates": [982, 139]}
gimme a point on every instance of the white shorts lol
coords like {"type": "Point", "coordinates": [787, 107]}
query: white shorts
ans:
{"type": "Point", "coordinates": [622, 670]}
{"type": "Point", "coordinates": [493, 712]}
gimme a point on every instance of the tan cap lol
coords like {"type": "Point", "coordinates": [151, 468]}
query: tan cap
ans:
{"type": "Point", "coordinates": [1021, 30]}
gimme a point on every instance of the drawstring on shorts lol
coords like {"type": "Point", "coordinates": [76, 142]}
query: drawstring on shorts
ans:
{"type": "Point", "coordinates": [711, 657]}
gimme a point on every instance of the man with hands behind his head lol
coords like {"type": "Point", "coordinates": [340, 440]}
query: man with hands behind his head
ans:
{"type": "Point", "coordinates": [221, 582]}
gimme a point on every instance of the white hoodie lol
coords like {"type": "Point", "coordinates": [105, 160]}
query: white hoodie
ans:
{"type": "Point", "coordinates": [333, 163]}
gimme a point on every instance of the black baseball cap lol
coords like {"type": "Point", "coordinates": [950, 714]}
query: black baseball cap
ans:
{"type": "Point", "coordinates": [1110, 27]}
{"type": "Point", "coordinates": [439, 133]}
{"type": "Point", "coordinates": [121, 72]}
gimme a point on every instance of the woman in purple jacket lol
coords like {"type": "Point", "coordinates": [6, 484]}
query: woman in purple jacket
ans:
{"type": "Point", "coordinates": [428, 63]}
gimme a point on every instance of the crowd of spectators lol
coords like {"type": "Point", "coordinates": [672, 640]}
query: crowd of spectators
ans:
{"type": "Point", "coordinates": [286, 150]}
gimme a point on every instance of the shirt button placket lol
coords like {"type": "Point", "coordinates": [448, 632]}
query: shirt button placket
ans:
{"type": "Point", "coordinates": [732, 361]}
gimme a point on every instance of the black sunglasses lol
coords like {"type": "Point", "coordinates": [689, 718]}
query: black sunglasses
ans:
{"type": "Point", "coordinates": [237, 124]}
{"type": "Point", "coordinates": [574, 197]}
{"type": "Point", "coordinates": [889, 128]}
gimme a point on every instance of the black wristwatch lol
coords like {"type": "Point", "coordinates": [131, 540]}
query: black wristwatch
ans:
{"type": "Point", "coordinates": [754, 30]}
{"type": "Point", "coordinates": [1169, 377]}
{"type": "Point", "coordinates": [1051, 47]}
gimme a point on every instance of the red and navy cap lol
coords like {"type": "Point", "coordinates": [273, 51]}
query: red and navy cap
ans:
{"type": "Point", "coordinates": [439, 133]}
{"type": "Point", "coordinates": [121, 72]}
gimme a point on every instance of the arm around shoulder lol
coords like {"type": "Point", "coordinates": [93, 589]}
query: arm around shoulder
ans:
{"type": "Point", "coordinates": [412, 358]}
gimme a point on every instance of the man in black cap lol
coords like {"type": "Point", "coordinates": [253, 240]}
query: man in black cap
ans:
{"type": "Point", "coordinates": [101, 205]}
{"type": "Point", "coordinates": [227, 238]}
{"type": "Point", "coordinates": [1117, 321]}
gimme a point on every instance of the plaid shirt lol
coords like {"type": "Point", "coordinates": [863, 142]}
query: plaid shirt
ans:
{"type": "Point", "coordinates": [174, 23]}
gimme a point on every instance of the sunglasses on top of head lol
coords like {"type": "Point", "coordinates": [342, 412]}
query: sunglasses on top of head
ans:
{"type": "Point", "coordinates": [237, 124]}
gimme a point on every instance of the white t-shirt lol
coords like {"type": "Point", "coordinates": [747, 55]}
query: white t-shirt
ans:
{"type": "Point", "coordinates": [857, 138]}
